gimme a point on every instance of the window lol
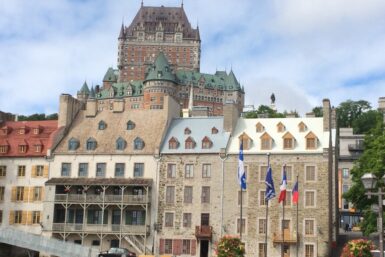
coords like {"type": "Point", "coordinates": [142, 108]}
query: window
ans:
{"type": "Point", "coordinates": [289, 173]}
{"type": "Point", "coordinates": [262, 200]}
{"type": "Point", "coordinates": [189, 143]}
{"type": "Point", "coordinates": [188, 194]}
{"type": "Point", "coordinates": [119, 169]}
{"type": "Point", "coordinates": [173, 143]}
{"type": "Point", "coordinates": [21, 171]}
{"type": "Point", "coordinates": [171, 170]}
{"type": "Point", "coordinates": [259, 127]}
{"type": "Point", "coordinates": [73, 144]}
{"type": "Point", "coordinates": [205, 194]}
{"type": "Point", "coordinates": [186, 220]}
{"type": "Point", "coordinates": [37, 148]}
{"type": "Point", "coordinates": [262, 173]}
{"type": "Point", "coordinates": [309, 227]}
{"type": "Point", "coordinates": [91, 144]}
{"type": "Point", "coordinates": [102, 125]}
{"type": "Point", "coordinates": [280, 127]}
{"type": "Point", "coordinates": [206, 143]}
{"type": "Point", "coordinates": [189, 171]}
{"type": "Point", "coordinates": [206, 170]}
{"type": "Point", "coordinates": [262, 226]}
{"type": "Point", "coordinates": [95, 242]}
{"type": "Point", "coordinates": [310, 174]}
{"type": "Point", "coordinates": [214, 130]}
{"type": "Point", "coordinates": [261, 250]}
{"type": "Point", "coordinates": [345, 173]}
{"type": "Point", "coordinates": [37, 193]}
{"type": "Point", "coordinates": [18, 218]}
{"type": "Point", "coordinates": [138, 170]}
{"type": "Point", "coordinates": [138, 144]}
{"type": "Point", "coordinates": [170, 195]}
{"type": "Point", "coordinates": [3, 171]}
{"type": "Point", "coordinates": [130, 125]}
{"type": "Point", "coordinates": [241, 226]}
{"type": "Point", "coordinates": [120, 144]}
{"type": "Point", "coordinates": [35, 217]}
{"type": "Point", "coordinates": [3, 148]}
{"type": "Point", "coordinates": [287, 201]}
{"type": "Point", "coordinates": [65, 169]}
{"type": "Point", "coordinates": [311, 141]}
{"type": "Point", "coordinates": [309, 198]}
{"type": "Point", "coordinates": [187, 131]}
{"type": "Point", "coordinates": [169, 219]}
{"type": "Point", "coordinates": [101, 170]}
{"type": "Point", "coordinates": [135, 217]}
{"type": "Point", "coordinates": [19, 193]}
{"type": "Point", "coordinates": [309, 250]}
{"type": "Point", "coordinates": [302, 127]}
{"type": "Point", "coordinates": [245, 140]}
{"type": "Point", "coordinates": [168, 246]}
{"type": "Point", "coordinates": [186, 246]}
{"type": "Point", "coordinates": [83, 170]}
{"type": "Point", "coordinates": [288, 143]}
{"type": "Point", "coordinates": [2, 193]}
{"type": "Point", "coordinates": [39, 170]}
{"type": "Point", "coordinates": [22, 148]}
{"type": "Point", "coordinates": [266, 141]}
{"type": "Point", "coordinates": [95, 216]}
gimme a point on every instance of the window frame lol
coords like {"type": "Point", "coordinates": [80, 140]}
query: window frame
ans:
{"type": "Point", "coordinates": [305, 197]}
{"type": "Point", "coordinates": [67, 166]}
{"type": "Point", "coordinates": [138, 170]}
{"type": "Point", "coordinates": [206, 170]}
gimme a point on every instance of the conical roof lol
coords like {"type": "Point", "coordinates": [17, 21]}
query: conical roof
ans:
{"type": "Point", "coordinates": [110, 76]}
{"type": "Point", "coordinates": [85, 89]}
{"type": "Point", "coordinates": [160, 70]}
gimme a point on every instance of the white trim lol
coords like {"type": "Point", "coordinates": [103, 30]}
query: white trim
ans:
{"type": "Point", "coordinates": [314, 249]}
{"type": "Point", "coordinates": [258, 219]}
{"type": "Point", "coordinates": [244, 200]}
{"type": "Point", "coordinates": [236, 225]}
{"type": "Point", "coordinates": [292, 172]}
{"type": "Point", "coordinates": [164, 219]}
{"type": "Point", "coordinates": [315, 172]}
{"type": "Point", "coordinates": [259, 196]}
{"type": "Point", "coordinates": [304, 227]}
{"type": "Point", "coordinates": [184, 170]}
{"type": "Point", "coordinates": [206, 163]}
{"type": "Point", "coordinates": [315, 198]}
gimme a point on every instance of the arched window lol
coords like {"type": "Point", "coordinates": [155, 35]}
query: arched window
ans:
{"type": "Point", "coordinates": [102, 125]}
{"type": "Point", "coordinates": [173, 143]}
{"type": "Point", "coordinates": [91, 144]}
{"type": "Point", "coordinates": [73, 144]}
{"type": "Point", "coordinates": [130, 125]}
{"type": "Point", "coordinates": [138, 144]}
{"type": "Point", "coordinates": [120, 144]}
{"type": "Point", "coordinates": [189, 143]}
{"type": "Point", "coordinates": [206, 143]}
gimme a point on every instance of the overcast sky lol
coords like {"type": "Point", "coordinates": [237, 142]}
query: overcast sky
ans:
{"type": "Point", "coordinates": [302, 50]}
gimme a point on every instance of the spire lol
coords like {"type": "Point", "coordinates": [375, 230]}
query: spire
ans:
{"type": "Point", "coordinates": [92, 92]}
{"type": "Point", "coordinates": [182, 5]}
{"type": "Point", "coordinates": [122, 34]}
{"type": "Point", "coordinates": [85, 88]}
{"type": "Point", "coordinates": [142, 3]}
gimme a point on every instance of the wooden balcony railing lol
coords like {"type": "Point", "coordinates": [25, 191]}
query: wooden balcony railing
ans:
{"type": "Point", "coordinates": [98, 228]}
{"type": "Point", "coordinates": [94, 198]}
{"type": "Point", "coordinates": [287, 237]}
{"type": "Point", "coordinates": [204, 232]}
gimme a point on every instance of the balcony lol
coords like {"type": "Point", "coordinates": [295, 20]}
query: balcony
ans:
{"type": "Point", "coordinates": [287, 238]}
{"type": "Point", "coordinates": [355, 147]}
{"type": "Point", "coordinates": [94, 198]}
{"type": "Point", "coordinates": [100, 228]}
{"type": "Point", "coordinates": [203, 232]}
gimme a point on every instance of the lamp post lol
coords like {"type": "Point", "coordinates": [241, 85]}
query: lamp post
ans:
{"type": "Point", "coordinates": [370, 181]}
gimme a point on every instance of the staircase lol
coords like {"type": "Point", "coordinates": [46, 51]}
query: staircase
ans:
{"type": "Point", "coordinates": [138, 243]}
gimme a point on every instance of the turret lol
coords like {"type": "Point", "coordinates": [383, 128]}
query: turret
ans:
{"type": "Point", "coordinates": [110, 78]}
{"type": "Point", "coordinates": [84, 92]}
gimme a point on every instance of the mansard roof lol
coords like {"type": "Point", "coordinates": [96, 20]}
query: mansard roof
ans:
{"type": "Point", "coordinates": [111, 75]}
{"type": "Point", "coordinates": [160, 70]}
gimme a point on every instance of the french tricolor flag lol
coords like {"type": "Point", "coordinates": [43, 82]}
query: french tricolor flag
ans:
{"type": "Point", "coordinates": [282, 194]}
{"type": "Point", "coordinates": [295, 194]}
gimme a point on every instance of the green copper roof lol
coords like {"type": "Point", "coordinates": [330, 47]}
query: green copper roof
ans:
{"type": "Point", "coordinates": [85, 89]}
{"type": "Point", "coordinates": [160, 70]}
{"type": "Point", "coordinates": [110, 76]}
{"type": "Point", "coordinates": [122, 89]}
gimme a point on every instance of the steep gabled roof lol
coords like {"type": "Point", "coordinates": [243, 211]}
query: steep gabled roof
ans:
{"type": "Point", "coordinates": [160, 70]}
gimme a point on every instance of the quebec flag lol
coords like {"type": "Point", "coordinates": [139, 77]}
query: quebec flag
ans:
{"type": "Point", "coordinates": [241, 169]}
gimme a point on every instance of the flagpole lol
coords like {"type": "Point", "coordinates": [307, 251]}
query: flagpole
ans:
{"type": "Point", "coordinates": [296, 246]}
{"type": "Point", "coordinates": [267, 208]}
{"type": "Point", "coordinates": [240, 222]}
{"type": "Point", "coordinates": [283, 219]}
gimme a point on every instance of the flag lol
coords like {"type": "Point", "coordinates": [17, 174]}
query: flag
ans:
{"type": "Point", "coordinates": [295, 194]}
{"type": "Point", "coordinates": [270, 191]}
{"type": "Point", "coordinates": [241, 169]}
{"type": "Point", "coordinates": [282, 188]}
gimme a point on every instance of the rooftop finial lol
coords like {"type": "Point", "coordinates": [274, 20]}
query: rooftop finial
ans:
{"type": "Point", "coordinates": [142, 3]}
{"type": "Point", "coordinates": [182, 4]}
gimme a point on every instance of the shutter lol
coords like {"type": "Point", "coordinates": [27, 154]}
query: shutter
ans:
{"type": "Point", "coordinates": [33, 171]}
{"type": "Point", "coordinates": [161, 246]}
{"type": "Point", "coordinates": [29, 218]}
{"type": "Point", "coordinates": [45, 171]}
{"type": "Point", "coordinates": [26, 194]}
{"type": "Point", "coordinates": [31, 194]}
{"type": "Point", "coordinates": [13, 196]}
{"type": "Point", "coordinates": [193, 246]}
{"type": "Point", "coordinates": [42, 197]}
{"type": "Point", "coordinates": [24, 217]}
{"type": "Point", "coordinates": [11, 217]}
{"type": "Point", "coordinates": [177, 247]}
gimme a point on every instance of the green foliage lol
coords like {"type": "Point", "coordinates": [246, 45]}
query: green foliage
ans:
{"type": "Point", "coordinates": [366, 121]}
{"type": "Point", "coordinates": [265, 111]}
{"type": "Point", "coordinates": [371, 161]}
{"type": "Point", "coordinates": [38, 116]}
{"type": "Point", "coordinates": [318, 111]}
{"type": "Point", "coordinates": [358, 247]}
{"type": "Point", "coordinates": [229, 246]}
{"type": "Point", "coordinates": [349, 111]}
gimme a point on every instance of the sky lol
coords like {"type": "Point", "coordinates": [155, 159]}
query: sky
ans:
{"type": "Point", "coordinates": [301, 50]}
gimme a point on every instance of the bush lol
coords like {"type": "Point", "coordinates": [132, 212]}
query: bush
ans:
{"type": "Point", "coordinates": [359, 247]}
{"type": "Point", "coordinates": [230, 246]}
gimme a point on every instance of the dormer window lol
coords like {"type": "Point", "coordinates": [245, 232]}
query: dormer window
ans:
{"type": "Point", "coordinates": [173, 143]}
{"type": "Point", "coordinates": [311, 141]}
{"type": "Point", "coordinates": [22, 148]}
{"type": "Point", "coordinates": [36, 130]}
{"type": "Point", "coordinates": [245, 140]}
{"type": "Point", "coordinates": [138, 144]}
{"type": "Point", "coordinates": [130, 125]}
{"type": "Point", "coordinates": [4, 131]}
{"type": "Point", "coordinates": [206, 143]}
{"type": "Point", "coordinates": [4, 147]}
{"type": "Point", "coordinates": [259, 127]}
{"type": "Point", "coordinates": [214, 130]}
{"type": "Point", "coordinates": [280, 127]}
{"type": "Point", "coordinates": [73, 144]}
{"type": "Point", "coordinates": [22, 130]}
{"type": "Point", "coordinates": [302, 127]}
{"type": "Point", "coordinates": [120, 144]}
{"type": "Point", "coordinates": [189, 143]}
{"type": "Point", "coordinates": [288, 141]}
{"type": "Point", "coordinates": [91, 144]}
{"type": "Point", "coordinates": [102, 125]}
{"type": "Point", "coordinates": [37, 148]}
{"type": "Point", "coordinates": [187, 131]}
{"type": "Point", "coordinates": [266, 141]}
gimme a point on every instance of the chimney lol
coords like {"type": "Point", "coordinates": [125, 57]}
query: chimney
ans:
{"type": "Point", "coordinates": [68, 108]}
{"type": "Point", "coordinates": [310, 115]}
{"type": "Point", "coordinates": [326, 114]}
{"type": "Point", "coordinates": [230, 116]}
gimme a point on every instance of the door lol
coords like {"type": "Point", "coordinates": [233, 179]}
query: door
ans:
{"type": "Point", "coordinates": [204, 252]}
{"type": "Point", "coordinates": [286, 250]}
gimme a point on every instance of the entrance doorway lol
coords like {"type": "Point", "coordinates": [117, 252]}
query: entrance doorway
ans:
{"type": "Point", "coordinates": [286, 250]}
{"type": "Point", "coordinates": [204, 248]}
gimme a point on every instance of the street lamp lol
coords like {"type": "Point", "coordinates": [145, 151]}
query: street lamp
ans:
{"type": "Point", "coordinates": [370, 182]}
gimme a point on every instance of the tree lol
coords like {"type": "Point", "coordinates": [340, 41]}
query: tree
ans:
{"type": "Point", "coordinates": [371, 161]}
{"type": "Point", "coordinates": [229, 246]}
{"type": "Point", "coordinates": [366, 121]}
{"type": "Point", "coordinates": [38, 116]}
{"type": "Point", "coordinates": [349, 111]}
{"type": "Point", "coordinates": [318, 111]}
{"type": "Point", "coordinates": [264, 111]}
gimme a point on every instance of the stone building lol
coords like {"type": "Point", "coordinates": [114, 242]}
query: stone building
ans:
{"type": "Point", "coordinates": [24, 146]}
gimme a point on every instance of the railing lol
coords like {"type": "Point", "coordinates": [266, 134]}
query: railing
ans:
{"type": "Point", "coordinates": [97, 228]}
{"type": "Point", "coordinates": [287, 238]}
{"type": "Point", "coordinates": [204, 232]}
{"type": "Point", "coordinates": [355, 147]}
{"type": "Point", "coordinates": [94, 198]}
